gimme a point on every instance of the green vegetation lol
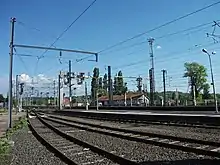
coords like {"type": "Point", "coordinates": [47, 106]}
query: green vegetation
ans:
{"type": "Point", "coordinates": [2, 99]}
{"type": "Point", "coordinates": [100, 84]}
{"type": "Point", "coordinates": [94, 83]}
{"type": "Point", "coordinates": [197, 77]}
{"type": "Point", "coordinates": [6, 144]}
{"type": "Point", "coordinates": [119, 85]}
{"type": "Point", "coordinates": [2, 110]}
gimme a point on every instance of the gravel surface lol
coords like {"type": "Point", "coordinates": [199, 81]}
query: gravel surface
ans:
{"type": "Point", "coordinates": [78, 154]}
{"type": "Point", "coordinates": [142, 153]}
{"type": "Point", "coordinates": [28, 150]}
{"type": "Point", "coordinates": [188, 132]}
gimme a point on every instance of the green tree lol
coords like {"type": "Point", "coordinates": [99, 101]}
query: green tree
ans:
{"type": "Point", "coordinates": [115, 85]}
{"type": "Point", "coordinates": [206, 94]}
{"type": "Point", "coordinates": [100, 83]}
{"type": "Point", "coordinates": [2, 99]}
{"type": "Point", "coordinates": [105, 83]}
{"type": "Point", "coordinates": [121, 85]}
{"type": "Point", "coordinates": [197, 74]}
{"type": "Point", "coordinates": [94, 83]}
{"type": "Point", "coordinates": [173, 97]}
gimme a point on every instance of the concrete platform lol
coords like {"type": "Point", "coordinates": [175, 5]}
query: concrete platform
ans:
{"type": "Point", "coordinates": [153, 112]}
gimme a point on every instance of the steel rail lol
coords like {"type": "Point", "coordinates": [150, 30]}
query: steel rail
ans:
{"type": "Point", "coordinates": [49, 146]}
{"type": "Point", "coordinates": [121, 133]}
{"type": "Point", "coordinates": [95, 149]}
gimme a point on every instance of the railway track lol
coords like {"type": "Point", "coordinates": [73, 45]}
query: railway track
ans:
{"type": "Point", "coordinates": [167, 123]}
{"type": "Point", "coordinates": [200, 147]}
{"type": "Point", "coordinates": [136, 119]}
{"type": "Point", "coordinates": [69, 149]}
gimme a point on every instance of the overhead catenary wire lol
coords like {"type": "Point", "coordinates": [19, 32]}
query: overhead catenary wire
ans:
{"type": "Point", "coordinates": [161, 60]}
{"type": "Point", "coordinates": [22, 61]}
{"type": "Point", "coordinates": [61, 34]}
{"type": "Point", "coordinates": [68, 27]}
{"type": "Point", "coordinates": [168, 35]}
{"type": "Point", "coordinates": [160, 26]}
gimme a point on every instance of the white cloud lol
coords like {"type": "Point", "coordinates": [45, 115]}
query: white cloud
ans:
{"type": "Point", "coordinates": [36, 81]}
{"type": "Point", "coordinates": [24, 78]}
{"type": "Point", "coordinates": [158, 47]}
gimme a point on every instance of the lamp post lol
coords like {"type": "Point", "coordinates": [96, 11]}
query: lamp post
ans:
{"type": "Point", "coordinates": [213, 83]}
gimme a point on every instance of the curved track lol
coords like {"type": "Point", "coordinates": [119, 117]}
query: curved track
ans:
{"type": "Point", "coordinates": [201, 147]}
{"type": "Point", "coordinates": [69, 149]}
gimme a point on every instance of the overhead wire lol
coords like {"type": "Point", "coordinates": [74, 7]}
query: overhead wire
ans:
{"type": "Point", "coordinates": [22, 61]}
{"type": "Point", "coordinates": [160, 26]}
{"type": "Point", "coordinates": [58, 38]}
{"type": "Point", "coordinates": [165, 58]}
{"type": "Point", "coordinates": [68, 27]}
{"type": "Point", "coordinates": [168, 35]}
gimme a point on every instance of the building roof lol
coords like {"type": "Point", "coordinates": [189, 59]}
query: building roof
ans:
{"type": "Point", "coordinates": [121, 97]}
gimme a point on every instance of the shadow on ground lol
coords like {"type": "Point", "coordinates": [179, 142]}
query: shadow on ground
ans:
{"type": "Point", "coordinates": [184, 162]}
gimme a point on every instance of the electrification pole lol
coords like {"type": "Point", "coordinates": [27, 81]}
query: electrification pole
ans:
{"type": "Point", "coordinates": [54, 92]}
{"type": "Point", "coordinates": [164, 86]}
{"type": "Point", "coordinates": [139, 84]}
{"type": "Point", "coordinates": [193, 90]}
{"type": "Point", "coordinates": [151, 88]}
{"type": "Point", "coordinates": [59, 94]}
{"type": "Point", "coordinates": [86, 95]}
{"type": "Point", "coordinates": [151, 40]}
{"type": "Point", "coordinates": [110, 94]}
{"type": "Point", "coordinates": [13, 20]}
{"type": "Point", "coordinates": [70, 83]}
{"type": "Point", "coordinates": [17, 96]}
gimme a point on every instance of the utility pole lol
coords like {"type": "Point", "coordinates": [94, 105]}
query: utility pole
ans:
{"type": "Point", "coordinates": [110, 94]}
{"type": "Point", "coordinates": [97, 100]}
{"type": "Point", "coordinates": [13, 20]}
{"type": "Point", "coordinates": [151, 88]}
{"type": "Point", "coordinates": [164, 86]}
{"type": "Point", "coordinates": [86, 95]}
{"type": "Point", "coordinates": [193, 87]}
{"type": "Point", "coordinates": [70, 84]}
{"type": "Point", "coordinates": [151, 40]}
{"type": "Point", "coordinates": [20, 94]}
{"type": "Point", "coordinates": [17, 96]}
{"type": "Point", "coordinates": [177, 97]}
{"type": "Point", "coordinates": [59, 93]}
{"type": "Point", "coordinates": [139, 84]}
{"type": "Point", "coordinates": [54, 92]}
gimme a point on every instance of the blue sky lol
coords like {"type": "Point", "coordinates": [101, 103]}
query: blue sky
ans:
{"type": "Point", "coordinates": [104, 24]}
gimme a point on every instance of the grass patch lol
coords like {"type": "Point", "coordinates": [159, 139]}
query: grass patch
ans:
{"type": "Point", "coordinates": [5, 142]}
{"type": "Point", "coordinates": [2, 110]}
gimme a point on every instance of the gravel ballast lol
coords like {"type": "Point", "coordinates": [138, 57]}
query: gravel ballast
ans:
{"type": "Point", "coordinates": [28, 150]}
{"type": "Point", "coordinates": [140, 152]}
{"type": "Point", "coordinates": [77, 153]}
{"type": "Point", "coordinates": [188, 132]}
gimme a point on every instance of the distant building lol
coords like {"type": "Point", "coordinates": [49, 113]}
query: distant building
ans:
{"type": "Point", "coordinates": [132, 99]}
{"type": "Point", "coordinates": [66, 103]}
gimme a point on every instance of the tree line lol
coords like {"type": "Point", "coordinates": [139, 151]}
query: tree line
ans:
{"type": "Point", "coordinates": [99, 84]}
{"type": "Point", "coordinates": [197, 75]}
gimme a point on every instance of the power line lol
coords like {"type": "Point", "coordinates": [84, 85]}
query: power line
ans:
{"type": "Point", "coordinates": [165, 36]}
{"type": "Point", "coordinates": [158, 27]}
{"type": "Point", "coordinates": [22, 61]}
{"type": "Point", "coordinates": [68, 27]}
{"type": "Point", "coordinates": [163, 59]}
{"type": "Point", "coordinates": [58, 38]}
{"type": "Point", "coordinates": [168, 35]}
{"type": "Point", "coordinates": [185, 30]}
